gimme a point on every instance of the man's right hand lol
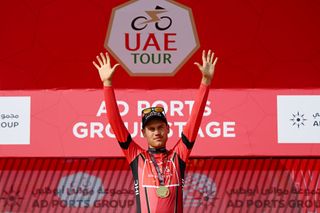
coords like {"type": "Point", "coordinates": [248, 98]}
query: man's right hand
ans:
{"type": "Point", "coordinates": [105, 70]}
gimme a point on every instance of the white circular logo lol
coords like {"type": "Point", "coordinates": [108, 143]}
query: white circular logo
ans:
{"type": "Point", "coordinates": [199, 189]}
{"type": "Point", "coordinates": [80, 189]}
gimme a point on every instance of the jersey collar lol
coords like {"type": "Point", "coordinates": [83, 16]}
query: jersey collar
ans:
{"type": "Point", "coordinates": [156, 151]}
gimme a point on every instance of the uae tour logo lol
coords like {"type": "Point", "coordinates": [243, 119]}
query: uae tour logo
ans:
{"type": "Point", "coordinates": [152, 37]}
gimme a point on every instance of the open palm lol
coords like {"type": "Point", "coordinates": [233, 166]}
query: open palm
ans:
{"type": "Point", "coordinates": [104, 67]}
{"type": "Point", "coordinates": [208, 64]}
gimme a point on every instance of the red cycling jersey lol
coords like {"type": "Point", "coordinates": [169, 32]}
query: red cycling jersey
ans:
{"type": "Point", "coordinates": [172, 163]}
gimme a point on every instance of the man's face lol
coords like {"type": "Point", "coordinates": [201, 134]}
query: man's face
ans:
{"type": "Point", "coordinates": [156, 132]}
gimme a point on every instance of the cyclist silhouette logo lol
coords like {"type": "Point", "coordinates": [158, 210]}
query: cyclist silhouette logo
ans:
{"type": "Point", "coordinates": [161, 23]}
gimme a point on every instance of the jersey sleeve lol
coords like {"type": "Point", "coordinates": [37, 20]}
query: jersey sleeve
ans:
{"type": "Point", "coordinates": [128, 146]}
{"type": "Point", "coordinates": [190, 131]}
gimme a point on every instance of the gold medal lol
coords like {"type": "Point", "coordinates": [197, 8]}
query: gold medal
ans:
{"type": "Point", "coordinates": [163, 192]}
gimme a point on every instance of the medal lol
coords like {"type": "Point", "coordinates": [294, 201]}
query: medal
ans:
{"type": "Point", "coordinates": [163, 192]}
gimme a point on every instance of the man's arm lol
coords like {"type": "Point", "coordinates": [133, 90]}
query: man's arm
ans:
{"type": "Point", "coordinates": [106, 72]}
{"type": "Point", "coordinates": [190, 131]}
{"type": "Point", "coordinates": [207, 69]}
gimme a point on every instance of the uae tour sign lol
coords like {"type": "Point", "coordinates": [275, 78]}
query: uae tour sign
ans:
{"type": "Point", "coordinates": [152, 37]}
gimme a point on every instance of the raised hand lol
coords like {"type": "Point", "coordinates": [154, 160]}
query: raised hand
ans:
{"type": "Point", "coordinates": [208, 66]}
{"type": "Point", "coordinates": [105, 69]}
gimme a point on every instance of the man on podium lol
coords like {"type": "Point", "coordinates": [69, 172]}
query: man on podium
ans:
{"type": "Point", "coordinates": [158, 173]}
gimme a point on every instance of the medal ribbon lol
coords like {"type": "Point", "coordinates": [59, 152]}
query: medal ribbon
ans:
{"type": "Point", "coordinates": [154, 162]}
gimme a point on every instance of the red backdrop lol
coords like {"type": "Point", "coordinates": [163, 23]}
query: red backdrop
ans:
{"type": "Point", "coordinates": [49, 44]}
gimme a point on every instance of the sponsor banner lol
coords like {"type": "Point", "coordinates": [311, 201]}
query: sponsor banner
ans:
{"type": "Point", "coordinates": [235, 122]}
{"type": "Point", "coordinates": [211, 185]}
{"type": "Point", "coordinates": [14, 120]}
{"type": "Point", "coordinates": [299, 119]}
{"type": "Point", "coordinates": [65, 185]}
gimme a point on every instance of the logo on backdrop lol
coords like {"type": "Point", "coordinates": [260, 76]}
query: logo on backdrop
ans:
{"type": "Point", "coordinates": [11, 198]}
{"type": "Point", "coordinates": [199, 190]}
{"type": "Point", "coordinates": [14, 120]}
{"type": "Point", "coordinates": [80, 190]}
{"type": "Point", "coordinates": [152, 37]}
{"type": "Point", "coordinates": [298, 119]}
